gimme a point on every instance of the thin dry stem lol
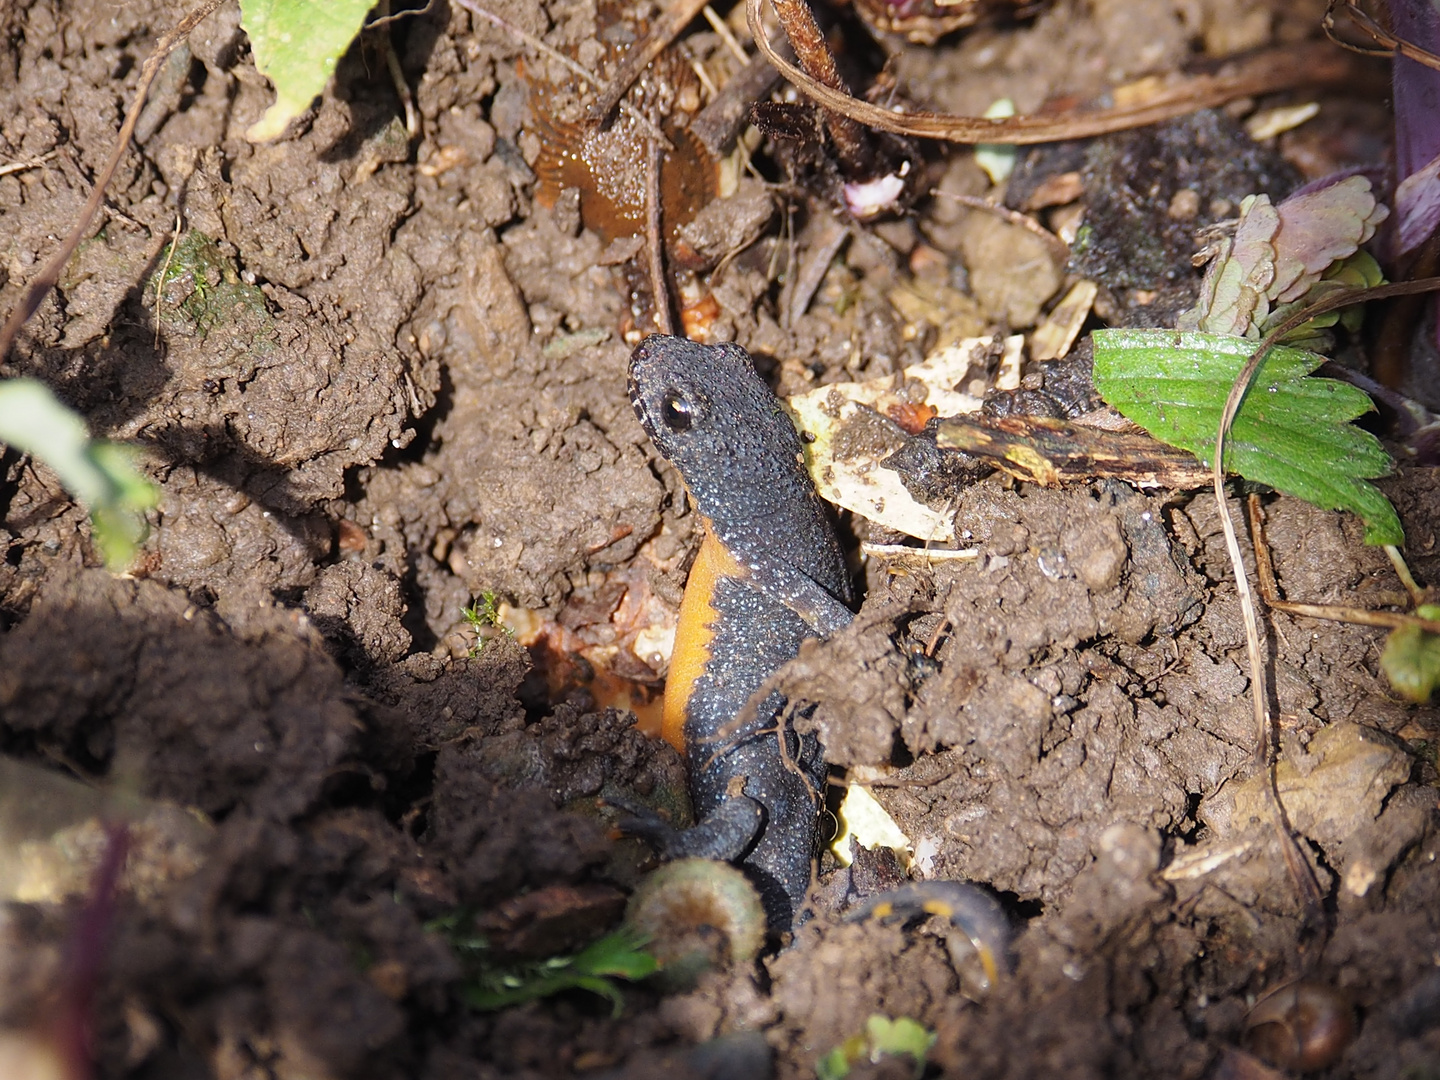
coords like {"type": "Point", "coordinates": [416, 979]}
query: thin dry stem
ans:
{"type": "Point", "coordinates": [1258, 693]}
{"type": "Point", "coordinates": [22, 166]}
{"type": "Point", "coordinates": [1270, 588]}
{"type": "Point", "coordinates": [386, 20]}
{"type": "Point", "coordinates": [43, 282]}
{"type": "Point", "coordinates": [397, 74]}
{"type": "Point", "coordinates": [1388, 42]}
{"type": "Point", "coordinates": [1058, 250]}
{"type": "Point", "coordinates": [655, 240]}
{"type": "Point", "coordinates": [1275, 69]}
{"type": "Point", "coordinates": [725, 34]}
{"type": "Point", "coordinates": [639, 56]}
{"type": "Point", "coordinates": [1299, 869]}
{"type": "Point", "coordinates": [165, 269]}
{"type": "Point", "coordinates": [580, 71]}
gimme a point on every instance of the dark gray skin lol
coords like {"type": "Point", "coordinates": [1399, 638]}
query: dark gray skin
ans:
{"type": "Point", "coordinates": [707, 411]}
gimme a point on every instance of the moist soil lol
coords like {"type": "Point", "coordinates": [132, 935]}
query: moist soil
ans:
{"type": "Point", "coordinates": [380, 374]}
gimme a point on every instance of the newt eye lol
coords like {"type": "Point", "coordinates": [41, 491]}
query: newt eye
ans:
{"type": "Point", "coordinates": [676, 412]}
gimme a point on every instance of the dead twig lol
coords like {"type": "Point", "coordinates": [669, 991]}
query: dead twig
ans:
{"type": "Point", "coordinates": [42, 283]}
{"type": "Point", "coordinates": [722, 119]}
{"type": "Point", "coordinates": [638, 58]}
{"type": "Point", "coordinates": [580, 71]}
{"type": "Point", "coordinates": [1267, 72]}
{"type": "Point", "coordinates": [806, 279]}
{"type": "Point", "coordinates": [1390, 45]}
{"type": "Point", "coordinates": [655, 240]}
{"type": "Point", "coordinates": [1058, 250]}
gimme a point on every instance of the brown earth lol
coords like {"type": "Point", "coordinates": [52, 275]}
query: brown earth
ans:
{"type": "Point", "coordinates": [379, 381]}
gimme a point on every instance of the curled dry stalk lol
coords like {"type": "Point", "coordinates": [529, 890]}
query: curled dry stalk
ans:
{"type": "Point", "coordinates": [1270, 586]}
{"type": "Point", "coordinates": [1388, 45]}
{"type": "Point", "coordinates": [1307, 64]}
{"type": "Point", "coordinates": [1300, 872]}
{"type": "Point", "coordinates": [43, 282]}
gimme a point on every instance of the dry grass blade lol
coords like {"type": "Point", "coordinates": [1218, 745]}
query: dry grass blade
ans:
{"type": "Point", "coordinates": [22, 166]}
{"type": "Point", "coordinates": [43, 282]}
{"type": "Point", "coordinates": [1259, 693]}
{"type": "Point", "coordinates": [1283, 68]}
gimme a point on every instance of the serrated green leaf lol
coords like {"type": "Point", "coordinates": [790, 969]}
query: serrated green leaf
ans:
{"type": "Point", "coordinates": [102, 476]}
{"type": "Point", "coordinates": [1292, 432]}
{"type": "Point", "coordinates": [297, 44]}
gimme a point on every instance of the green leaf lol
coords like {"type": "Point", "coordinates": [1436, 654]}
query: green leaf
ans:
{"type": "Point", "coordinates": [619, 955]}
{"type": "Point", "coordinates": [297, 44]}
{"type": "Point", "coordinates": [900, 1036]}
{"type": "Point", "coordinates": [102, 476]}
{"type": "Point", "coordinates": [1292, 432]}
{"type": "Point", "coordinates": [883, 1038]}
{"type": "Point", "coordinates": [1411, 660]}
{"type": "Point", "coordinates": [836, 1064]}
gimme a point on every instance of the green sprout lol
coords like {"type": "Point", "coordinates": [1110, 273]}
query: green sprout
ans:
{"type": "Point", "coordinates": [491, 984]}
{"type": "Point", "coordinates": [882, 1037]}
{"type": "Point", "coordinates": [485, 611]}
{"type": "Point", "coordinates": [103, 476]}
{"type": "Point", "coordinates": [1293, 431]}
{"type": "Point", "coordinates": [484, 615]}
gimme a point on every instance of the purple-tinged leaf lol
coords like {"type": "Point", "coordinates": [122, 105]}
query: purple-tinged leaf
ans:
{"type": "Point", "coordinates": [1417, 202]}
{"type": "Point", "coordinates": [1233, 295]}
{"type": "Point", "coordinates": [1320, 228]}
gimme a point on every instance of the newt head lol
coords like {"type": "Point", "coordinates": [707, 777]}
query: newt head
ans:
{"type": "Point", "coordinates": [707, 410]}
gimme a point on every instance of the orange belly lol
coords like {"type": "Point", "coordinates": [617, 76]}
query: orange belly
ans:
{"type": "Point", "coordinates": [693, 634]}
